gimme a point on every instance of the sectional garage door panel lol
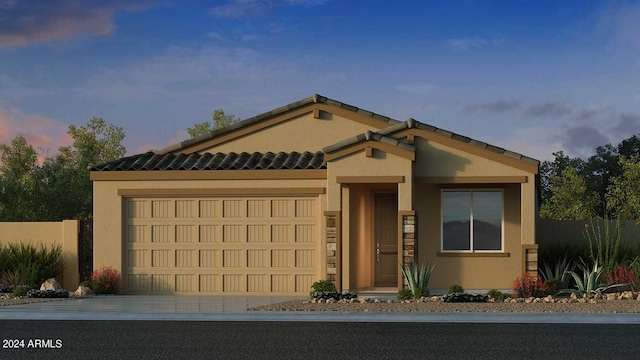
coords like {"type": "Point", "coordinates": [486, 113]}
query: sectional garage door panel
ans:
{"type": "Point", "coordinates": [221, 245]}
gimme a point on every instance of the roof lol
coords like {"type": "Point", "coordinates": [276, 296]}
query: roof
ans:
{"type": "Point", "coordinates": [166, 160]}
{"type": "Point", "coordinates": [413, 123]}
{"type": "Point", "coordinates": [367, 136]}
{"type": "Point", "coordinates": [219, 161]}
{"type": "Point", "coordinates": [314, 99]}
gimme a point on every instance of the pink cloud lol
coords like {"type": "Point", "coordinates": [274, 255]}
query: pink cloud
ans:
{"type": "Point", "coordinates": [44, 134]}
{"type": "Point", "coordinates": [26, 22]}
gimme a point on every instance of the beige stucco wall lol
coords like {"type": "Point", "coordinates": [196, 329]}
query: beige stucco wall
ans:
{"type": "Point", "coordinates": [64, 233]}
{"type": "Point", "coordinates": [478, 272]}
{"type": "Point", "coordinates": [108, 209]}
{"type": "Point", "coordinates": [380, 164]}
{"type": "Point", "coordinates": [302, 133]}
{"type": "Point", "coordinates": [434, 159]}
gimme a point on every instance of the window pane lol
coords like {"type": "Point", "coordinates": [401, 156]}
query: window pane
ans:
{"type": "Point", "coordinates": [456, 215]}
{"type": "Point", "coordinates": [487, 220]}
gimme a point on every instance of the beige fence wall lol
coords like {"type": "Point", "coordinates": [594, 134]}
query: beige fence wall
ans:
{"type": "Point", "coordinates": [550, 231]}
{"type": "Point", "coordinates": [64, 233]}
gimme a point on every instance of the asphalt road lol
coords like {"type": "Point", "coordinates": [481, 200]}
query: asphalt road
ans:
{"type": "Point", "coordinates": [313, 340]}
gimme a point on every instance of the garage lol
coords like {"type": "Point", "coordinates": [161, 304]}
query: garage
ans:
{"type": "Point", "coordinates": [221, 245]}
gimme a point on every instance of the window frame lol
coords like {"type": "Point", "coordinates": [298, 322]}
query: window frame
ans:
{"type": "Point", "coordinates": [471, 240]}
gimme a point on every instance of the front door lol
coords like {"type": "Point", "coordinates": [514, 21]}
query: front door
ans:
{"type": "Point", "coordinates": [385, 230]}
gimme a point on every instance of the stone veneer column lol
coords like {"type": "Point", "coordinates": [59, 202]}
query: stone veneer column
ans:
{"type": "Point", "coordinates": [530, 258]}
{"type": "Point", "coordinates": [409, 238]}
{"type": "Point", "coordinates": [332, 221]}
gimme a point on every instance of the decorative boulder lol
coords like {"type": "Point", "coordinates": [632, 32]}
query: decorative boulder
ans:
{"type": "Point", "coordinates": [50, 284]}
{"type": "Point", "coordinates": [84, 291]}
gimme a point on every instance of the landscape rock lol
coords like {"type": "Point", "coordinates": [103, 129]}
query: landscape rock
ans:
{"type": "Point", "coordinates": [50, 284]}
{"type": "Point", "coordinates": [83, 291]}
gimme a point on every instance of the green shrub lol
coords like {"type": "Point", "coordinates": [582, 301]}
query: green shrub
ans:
{"type": "Point", "coordinates": [29, 264]}
{"type": "Point", "coordinates": [20, 290]}
{"type": "Point", "coordinates": [405, 294]}
{"type": "Point", "coordinates": [499, 296]}
{"type": "Point", "coordinates": [417, 277]}
{"type": "Point", "coordinates": [455, 288]}
{"type": "Point", "coordinates": [105, 280]}
{"type": "Point", "coordinates": [322, 286]}
{"type": "Point", "coordinates": [557, 275]}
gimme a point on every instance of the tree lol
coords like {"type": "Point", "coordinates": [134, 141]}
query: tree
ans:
{"type": "Point", "coordinates": [549, 169]}
{"type": "Point", "coordinates": [94, 143]}
{"type": "Point", "coordinates": [570, 199]}
{"type": "Point", "coordinates": [623, 195]}
{"type": "Point", "coordinates": [220, 121]}
{"type": "Point", "coordinates": [18, 189]}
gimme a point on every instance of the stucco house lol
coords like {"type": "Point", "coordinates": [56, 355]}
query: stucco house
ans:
{"type": "Point", "coordinates": [316, 189]}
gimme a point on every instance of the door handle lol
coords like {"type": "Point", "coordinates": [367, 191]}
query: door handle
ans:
{"type": "Point", "coordinates": [378, 252]}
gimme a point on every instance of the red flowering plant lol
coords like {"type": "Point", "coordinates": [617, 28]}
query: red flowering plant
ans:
{"type": "Point", "coordinates": [623, 276]}
{"type": "Point", "coordinates": [105, 280]}
{"type": "Point", "coordinates": [530, 285]}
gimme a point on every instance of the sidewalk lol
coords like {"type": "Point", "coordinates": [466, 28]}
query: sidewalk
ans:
{"type": "Point", "coordinates": [234, 308]}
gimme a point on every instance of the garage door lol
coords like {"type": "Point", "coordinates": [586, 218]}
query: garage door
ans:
{"type": "Point", "coordinates": [221, 245]}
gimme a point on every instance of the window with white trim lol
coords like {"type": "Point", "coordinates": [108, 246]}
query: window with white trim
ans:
{"type": "Point", "coordinates": [472, 220]}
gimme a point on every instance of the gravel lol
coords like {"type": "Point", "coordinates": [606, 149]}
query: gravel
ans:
{"type": "Point", "coordinates": [8, 300]}
{"type": "Point", "coordinates": [437, 305]}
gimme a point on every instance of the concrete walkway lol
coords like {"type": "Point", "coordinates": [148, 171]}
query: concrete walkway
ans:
{"type": "Point", "coordinates": [234, 308]}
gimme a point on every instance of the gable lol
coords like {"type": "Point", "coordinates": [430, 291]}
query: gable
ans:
{"type": "Point", "coordinates": [307, 125]}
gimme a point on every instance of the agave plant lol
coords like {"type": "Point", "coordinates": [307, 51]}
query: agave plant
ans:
{"type": "Point", "coordinates": [590, 283]}
{"type": "Point", "coordinates": [417, 277]}
{"type": "Point", "coordinates": [558, 272]}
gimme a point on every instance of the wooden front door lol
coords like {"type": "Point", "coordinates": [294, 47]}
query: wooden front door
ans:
{"type": "Point", "coordinates": [385, 247]}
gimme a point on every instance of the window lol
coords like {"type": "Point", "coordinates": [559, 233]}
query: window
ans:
{"type": "Point", "coordinates": [471, 220]}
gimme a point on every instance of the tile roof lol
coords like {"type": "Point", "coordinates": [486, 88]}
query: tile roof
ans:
{"type": "Point", "coordinates": [369, 135]}
{"type": "Point", "coordinates": [218, 161]}
{"type": "Point", "coordinates": [314, 99]}
{"type": "Point", "coordinates": [413, 123]}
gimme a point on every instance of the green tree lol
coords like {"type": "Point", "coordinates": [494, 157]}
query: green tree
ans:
{"type": "Point", "coordinates": [549, 169]}
{"type": "Point", "coordinates": [570, 199]}
{"type": "Point", "coordinates": [19, 191]}
{"type": "Point", "coordinates": [623, 195]}
{"type": "Point", "coordinates": [220, 120]}
{"type": "Point", "coordinates": [94, 143]}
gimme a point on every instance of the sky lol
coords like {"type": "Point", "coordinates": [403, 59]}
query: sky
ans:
{"type": "Point", "coordinates": [534, 77]}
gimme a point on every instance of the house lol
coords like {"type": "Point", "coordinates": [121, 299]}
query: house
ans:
{"type": "Point", "coordinates": [316, 189]}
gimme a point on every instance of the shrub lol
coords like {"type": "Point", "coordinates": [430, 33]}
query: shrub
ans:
{"type": "Point", "coordinates": [417, 278]}
{"type": "Point", "coordinates": [322, 286]}
{"type": "Point", "coordinates": [455, 288]}
{"type": "Point", "coordinates": [60, 293]}
{"type": "Point", "coordinates": [405, 294]}
{"type": "Point", "coordinates": [530, 285]}
{"type": "Point", "coordinates": [558, 274]}
{"type": "Point", "coordinates": [105, 280]}
{"type": "Point", "coordinates": [590, 282]}
{"type": "Point", "coordinates": [623, 276]}
{"type": "Point", "coordinates": [20, 290]}
{"type": "Point", "coordinates": [464, 297]}
{"type": "Point", "coordinates": [28, 264]}
{"type": "Point", "coordinates": [497, 295]}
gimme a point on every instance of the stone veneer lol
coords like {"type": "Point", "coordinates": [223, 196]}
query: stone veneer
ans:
{"type": "Point", "coordinates": [408, 240]}
{"type": "Point", "coordinates": [332, 238]}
